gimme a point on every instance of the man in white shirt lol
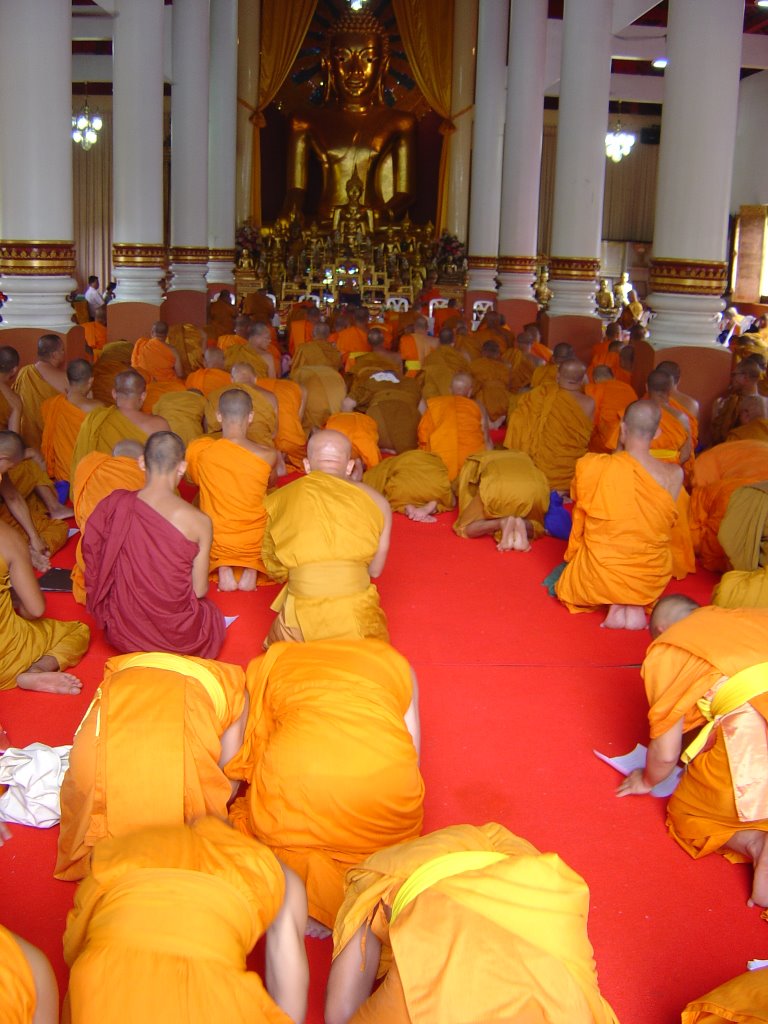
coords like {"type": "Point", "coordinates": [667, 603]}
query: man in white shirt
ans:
{"type": "Point", "coordinates": [93, 296]}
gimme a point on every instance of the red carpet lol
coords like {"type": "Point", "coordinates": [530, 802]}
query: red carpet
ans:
{"type": "Point", "coordinates": [515, 693]}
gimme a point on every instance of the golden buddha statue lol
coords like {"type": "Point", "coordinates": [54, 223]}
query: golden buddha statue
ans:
{"type": "Point", "coordinates": [621, 289]}
{"type": "Point", "coordinates": [604, 297]}
{"type": "Point", "coordinates": [352, 220]}
{"type": "Point", "coordinates": [354, 132]}
{"type": "Point", "coordinates": [541, 288]}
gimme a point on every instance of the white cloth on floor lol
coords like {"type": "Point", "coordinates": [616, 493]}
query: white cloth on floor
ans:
{"type": "Point", "coordinates": [33, 775]}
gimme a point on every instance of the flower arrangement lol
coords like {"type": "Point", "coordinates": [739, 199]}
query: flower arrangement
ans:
{"type": "Point", "coordinates": [248, 239]}
{"type": "Point", "coordinates": [449, 256]}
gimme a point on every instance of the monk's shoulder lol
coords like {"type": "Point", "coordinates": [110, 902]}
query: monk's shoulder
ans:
{"type": "Point", "coordinates": [378, 499]}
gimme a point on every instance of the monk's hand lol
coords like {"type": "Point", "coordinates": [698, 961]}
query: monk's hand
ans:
{"type": "Point", "coordinates": [5, 833]}
{"type": "Point", "coordinates": [634, 784]}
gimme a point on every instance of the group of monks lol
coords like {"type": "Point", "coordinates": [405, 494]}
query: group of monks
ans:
{"type": "Point", "coordinates": [323, 726]}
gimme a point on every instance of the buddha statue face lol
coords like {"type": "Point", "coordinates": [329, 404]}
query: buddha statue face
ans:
{"type": "Point", "coordinates": [357, 63]}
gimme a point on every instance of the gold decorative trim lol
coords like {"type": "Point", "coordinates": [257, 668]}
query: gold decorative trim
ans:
{"type": "Point", "coordinates": [482, 262]}
{"type": "Point", "coordinates": [221, 255]}
{"type": "Point", "coordinates": [37, 258]}
{"type": "Point", "coordinates": [573, 268]}
{"type": "Point", "coordinates": [189, 254]}
{"type": "Point", "coordinates": [517, 265]}
{"type": "Point", "coordinates": [136, 254]}
{"type": "Point", "coordinates": [687, 277]}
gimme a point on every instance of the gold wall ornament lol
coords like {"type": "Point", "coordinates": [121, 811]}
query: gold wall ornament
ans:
{"type": "Point", "coordinates": [221, 256]}
{"type": "Point", "coordinates": [573, 268]}
{"type": "Point", "coordinates": [482, 262]}
{"type": "Point", "coordinates": [517, 265]}
{"type": "Point", "coordinates": [687, 277]}
{"type": "Point", "coordinates": [138, 254]}
{"type": "Point", "coordinates": [46, 259]}
{"type": "Point", "coordinates": [189, 254]}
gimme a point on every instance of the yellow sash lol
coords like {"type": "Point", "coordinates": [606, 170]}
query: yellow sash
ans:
{"type": "Point", "coordinates": [434, 871]}
{"type": "Point", "coordinates": [323, 579]}
{"type": "Point", "coordinates": [665, 454]}
{"type": "Point", "coordinates": [729, 696]}
{"type": "Point", "coordinates": [185, 667]}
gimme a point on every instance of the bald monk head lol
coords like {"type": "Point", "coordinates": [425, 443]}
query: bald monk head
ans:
{"type": "Point", "coordinates": [613, 331]}
{"type": "Point", "coordinates": [602, 373]}
{"type": "Point", "coordinates": [627, 358]}
{"type": "Point", "coordinates": [745, 378]}
{"type": "Point", "coordinates": [50, 349]}
{"type": "Point", "coordinates": [376, 339]}
{"type": "Point", "coordinates": [360, 317]}
{"type": "Point", "coordinates": [524, 342]}
{"type": "Point", "coordinates": [9, 362]}
{"type": "Point", "coordinates": [491, 319]}
{"type": "Point", "coordinates": [616, 345]}
{"type": "Point", "coordinates": [321, 331]}
{"type": "Point", "coordinates": [163, 456]}
{"type": "Point", "coordinates": [420, 324]}
{"type": "Point", "coordinates": [491, 350]}
{"type": "Point", "coordinates": [159, 330]}
{"type": "Point", "coordinates": [100, 315]}
{"type": "Point", "coordinates": [532, 330]}
{"type": "Point", "coordinates": [11, 450]}
{"type": "Point", "coordinates": [638, 333]}
{"type": "Point", "coordinates": [329, 451]}
{"type": "Point", "coordinates": [241, 325]}
{"type": "Point", "coordinates": [128, 450]}
{"type": "Point", "coordinates": [80, 375]}
{"type": "Point", "coordinates": [752, 407]}
{"type": "Point", "coordinates": [659, 385]}
{"type": "Point", "coordinates": [445, 337]}
{"type": "Point", "coordinates": [562, 353]}
{"type": "Point", "coordinates": [243, 373]}
{"type": "Point", "coordinates": [130, 390]}
{"type": "Point", "coordinates": [669, 610]}
{"type": "Point", "coordinates": [235, 408]}
{"type": "Point", "coordinates": [213, 358]}
{"type": "Point", "coordinates": [313, 314]}
{"type": "Point", "coordinates": [571, 374]}
{"type": "Point", "coordinates": [640, 423]}
{"type": "Point", "coordinates": [673, 369]}
{"type": "Point", "coordinates": [462, 385]}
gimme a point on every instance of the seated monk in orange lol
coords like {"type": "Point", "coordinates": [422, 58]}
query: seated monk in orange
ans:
{"type": "Point", "coordinates": [255, 351]}
{"type": "Point", "coordinates": [10, 404]}
{"type": "Point", "coordinates": [492, 379]}
{"type": "Point", "coordinates": [325, 390]}
{"type": "Point", "coordinates": [97, 476]}
{"type": "Point", "coordinates": [301, 328]}
{"type": "Point", "coordinates": [673, 442]}
{"type": "Point", "coordinates": [95, 332]}
{"type": "Point", "coordinates": [393, 401]}
{"type": "Point", "coordinates": [290, 438]}
{"type": "Point", "coordinates": [415, 483]}
{"type": "Point", "coordinates": [221, 313]}
{"type": "Point", "coordinates": [263, 428]}
{"type": "Point", "coordinates": [624, 509]}
{"type": "Point", "coordinates": [611, 398]}
{"type": "Point", "coordinates": [547, 373]}
{"type": "Point", "coordinates": [416, 345]}
{"type": "Point", "coordinates": [553, 424]}
{"type": "Point", "coordinates": [745, 378]}
{"type": "Point", "coordinates": [503, 495]}
{"type": "Point", "coordinates": [34, 383]}
{"type": "Point", "coordinates": [363, 434]}
{"type": "Point", "coordinates": [354, 338]}
{"type": "Point", "coordinates": [233, 474]}
{"type": "Point", "coordinates": [63, 416]}
{"type": "Point", "coordinates": [157, 358]}
{"type": "Point", "coordinates": [707, 665]}
{"type": "Point", "coordinates": [538, 348]}
{"type": "Point", "coordinates": [259, 305]}
{"type": "Point", "coordinates": [522, 362]}
{"type": "Point", "coordinates": [454, 426]}
{"type": "Point", "coordinates": [146, 562]}
{"type": "Point", "coordinates": [743, 535]}
{"type": "Point", "coordinates": [212, 375]}
{"type": "Point", "coordinates": [490, 329]}
{"type": "Point", "coordinates": [28, 988]}
{"type": "Point", "coordinates": [743, 998]}
{"type": "Point", "coordinates": [323, 807]}
{"type": "Point", "coordinates": [682, 402]}
{"type": "Point", "coordinates": [495, 897]}
{"type": "Point", "coordinates": [442, 365]}
{"type": "Point", "coordinates": [602, 348]}
{"type": "Point", "coordinates": [184, 412]}
{"type": "Point", "coordinates": [191, 714]}
{"type": "Point", "coordinates": [212, 894]}
{"type": "Point", "coordinates": [102, 429]}
{"type": "Point", "coordinates": [189, 342]}
{"type": "Point", "coordinates": [326, 538]}
{"type": "Point", "coordinates": [378, 357]}
{"type": "Point", "coordinates": [115, 358]}
{"type": "Point", "coordinates": [752, 420]}
{"type": "Point", "coordinates": [319, 351]}
{"type": "Point", "coordinates": [238, 335]}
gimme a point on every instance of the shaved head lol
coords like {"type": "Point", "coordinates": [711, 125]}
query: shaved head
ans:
{"type": "Point", "coordinates": [572, 371]}
{"type": "Point", "coordinates": [130, 383]}
{"type": "Point", "coordinates": [47, 346]}
{"type": "Point", "coordinates": [659, 383]}
{"type": "Point", "coordinates": [641, 420]}
{"type": "Point", "coordinates": [213, 359]}
{"type": "Point", "coordinates": [329, 451]}
{"type": "Point", "coordinates": [321, 331]}
{"type": "Point", "coordinates": [524, 341]}
{"type": "Point", "coordinates": [160, 329]}
{"type": "Point", "coordinates": [673, 369]}
{"type": "Point", "coordinates": [445, 337]}
{"type": "Point", "coordinates": [491, 350]}
{"type": "Point", "coordinates": [164, 452]}
{"type": "Point", "coordinates": [235, 405]}
{"type": "Point", "coordinates": [627, 358]}
{"type": "Point", "coordinates": [260, 331]}
{"type": "Point", "coordinates": [128, 450]}
{"type": "Point", "coordinates": [420, 323]}
{"type": "Point", "coordinates": [12, 447]}
{"type": "Point", "coordinates": [9, 359]}
{"type": "Point", "coordinates": [462, 385]}
{"type": "Point", "coordinates": [601, 373]}
{"type": "Point", "coordinates": [79, 371]}
{"type": "Point", "coordinates": [375, 337]}
{"type": "Point", "coordinates": [243, 373]}
{"type": "Point", "coordinates": [669, 610]}
{"type": "Point", "coordinates": [613, 331]}
{"type": "Point", "coordinates": [562, 352]}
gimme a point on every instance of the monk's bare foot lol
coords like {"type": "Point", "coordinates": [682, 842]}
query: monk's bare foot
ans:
{"type": "Point", "coordinates": [521, 541]}
{"type": "Point", "coordinates": [753, 844]}
{"type": "Point", "coordinates": [280, 468]}
{"type": "Point", "coordinates": [5, 833]}
{"type": "Point", "coordinates": [60, 512]}
{"type": "Point", "coordinates": [227, 581]}
{"type": "Point", "coordinates": [248, 580]}
{"type": "Point", "coordinates": [616, 617]}
{"type": "Point", "coordinates": [49, 682]}
{"type": "Point", "coordinates": [508, 534]}
{"type": "Point", "coordinates": [40, 559]}
{"type": "Point", "coordinates": [421, 513]}
{"type": "Point", "coordinates": [315, 930]}
{"type": "Point", "coordinates": [635, 617]}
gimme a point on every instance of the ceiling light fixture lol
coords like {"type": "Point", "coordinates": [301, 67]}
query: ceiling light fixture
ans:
{"type": "Point", "coordinates": [618, 143]}
{"type": "Point", "coordinates": [86, 125]}
{"type": "Point", "coordinates": [661, 62]}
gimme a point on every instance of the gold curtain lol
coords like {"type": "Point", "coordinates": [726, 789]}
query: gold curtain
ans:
{"type": "Point", "coordinates": [629, 200]}
{"type": "Point", "coordinates": [92, 199]}
{"type": "Point", "coordinates": [283, 28]}
{"type": "Point", "coordinates": [426, 29]}
{"type": "Point", "coordinates": [547, 187]}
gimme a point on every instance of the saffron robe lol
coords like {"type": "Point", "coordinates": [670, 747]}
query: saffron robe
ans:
{"type": "Point", "coordinates": [323, 806]}
{"type": "Point", "coordinates": [299, 333]}
{"type": "Point", "coordinates": [158, 389]}
{"type": "Point", "coordinates": [320, 537]}
{"type": "Point", "coordinates": [95, 337]}
{"type": "Point", "coordinates": [243, 353]}
{"type": "Point", "coordinates": [97, 476]}
{"type": "Point", "coordinates": [363, 434]}
{"type": "Point", "coordinates": [440, 367]}
{"type": "Point", "coordinates": [726, 418]}
{"type": "Point", "coordinates": [290, 438]}
{"type": "Point", "coordinates": [225, 341]}
{"type": "Point", "coordinates": [412, 478]}
{"type": "Point", "coordinates": [138, 580]}
{"type": "Point", "coordinates": [416, 347]}
{"type": "Point", "coordinates": [25, 641]}
{"type": "Point", "coordinates": [546, 374]}
{"type": "Point", "coordinates": [452, 427]}
{"type": "Point", "coordinates": [611, 398]}
{"type": "Point", "coordinates": [183, 411]}
{"type": "Point", "coordinates": [525, 910]}
{"type": "Point", "coordinates": [326, 391]}
{"type": "Point", "coordinates": [755, 430]}
{"type": "Point", "coordinates": [261, 430]}
{"type": "Point", "coordinates": [541, 351]}
{"type": "Point", "coordinates": [147, 751]}
{"type": "Point", "coordinates": [33, 390]}
{"type": "Point", "coordinates": [115, 357]}
{"type": "Point", "coordinates": [495, 484]}
{"type": "Point", "coordinates": [208, 380]}
{"type": "Point", "coordinates": [684, 664]}
{"type": "Point", "coordinates": [187, 339]}
{"type": "Point", "coordinates": [743, 999]}
{"type": "Point", "coordinates": [204, 895]}
{"type": "Point", "coordinates": [549, 425]}
{"type": "Point", "coordinates": [492, 385]}
{"type": "Point", "coordinates": [25, 477]}
{"type": "Point", "coordinates": [233, 482]}
{"type": "Point", "coordinates": [100, 432]}
{"type": "Point", "coordinates": [393, 403]}
{"type": "Point", "coordinates": [619, 548]}
{"type": "Point", "coordinates": [352, 339]}
{"type": "Point", "coordinates": [18, 997]}
{"type": "Point", "coordinates": [743, 535]}
{"type": "Point", "coordinates": [155, 358]}
{"type": "Point", "coordinates": [61, 424]}
{"type": "Point", "coordinates": [317, 352]}
{"type": "Point", "coordinates": [521, 369]}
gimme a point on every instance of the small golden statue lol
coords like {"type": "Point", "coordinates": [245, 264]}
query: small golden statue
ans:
{"type": "Point", "coordinates": [621, 289]}
{"type": "Point", "coordinates": [604, 298]}
{"type": "Point", "coordinates": [245, 262]}
{"type": "Point", "coordinates": [352, 220]}
{"type": "Point", "coordinates": [541, 289]}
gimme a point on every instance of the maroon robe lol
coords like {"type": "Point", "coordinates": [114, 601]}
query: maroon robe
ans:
{"type": "Point", "coordinates": [138, 578]}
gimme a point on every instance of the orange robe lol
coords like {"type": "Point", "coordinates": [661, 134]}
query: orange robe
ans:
{"type": "Point", "coordinates": [321, 806]}
{"type": "Point", "coordinates": [18, 997]}
{"type": "Point", "coordinates": [619, 548]}
{"type": "Point", "coordinates": [546, 374]}
{"type": "Point", "coordinates": [100, 432]}
{"type": "Point", "coordinates": [326, 391]}
{"type": "Point", "coordinates": [233, 482]}
{"type": "Point", "coordinates": [208, 380]}
{"type": "Point", "coordinates": [97, 475]}
{"type": "Point", "coordinates": [226, 341]}
{"type": "Point", "coordinates": [684, 664]}
{"type": "Point", "coordinates": [204, 895]}
{"type": "Point", "coordinates": [61, 424]}
{"type": "Point", "coordinates": [412, 478]}
{"type": "Point", "coordinates": [521, 369]}
{"type": "Point", "coordinates": [540, 350]}
{"type": "Point", "coordinates": [299, 333]}
{"type": "Point", "coordinates": [115, 357]}
{"type": "Point", "coordinates": [440, 367]}
{"type": "Point", "coordinates": [187, 339]}
{"type": "Point", "coordinates": [264, 426]}
{"type": "Point", "coordinates": [743, 999]}
{"type": "Point", "coordinates": [95, 337]}
{"type": "Point", "coordinates": [755, 430]}
{"type": "Point", "coordinates": [352, 339]}
{"type": "Point", "coordinates": [510, 905]}
{"type": "Point", "coordinates": [393, 402]}
{"type": "Point", "coordinates": [549, 425]}
{"type": "Point", "coordinates": [452, 427]}
{"type": "Point", "coordinates": [611, 398]}
{"type": "Point", "coordinates": [416, 347]}
{"type": "Point", "coordinates": [33, 390]}
{"type": "Point", "coordinates": [290, 438]}
{"type": "Point", "coordinates": [158, 389]}
{"type": "Point", "coordinates": [316, 353]}
{"type": "Point", "coordinates": [495, 484]}
{"type": "Point", "coordinates": [363, 433]}
{"type": "Point", "coordinates": [155, 358]}
{"type": "Point", "coordinates": [183, 411]}
{"type": "Point", "coordinates": [726, 418]}
{"type": "Point", "coordinates": [492, 385]}
{"type": "Point", "coordinates": [26, 476]}
{"type": "Point", "coordinates": [243, 353]}
{"type": "Point", "coordinates": [147, 751]}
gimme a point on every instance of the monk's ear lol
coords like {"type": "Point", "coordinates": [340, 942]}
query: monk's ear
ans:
{"type": "Point", "coordinates": [307, 467]}
{"type": "Point", "coordinates": [622, 432]}
{"type": "Point", "coordinates": [218, 416]}
{"type": "Point", "coordinates": [658, 432]}
{"type": "Point", "coordinates": [182, 469]}
{"type": "Point", "coordinates": [114, 396]}
{"type": "Point", "coordinates": [350, 467]}
{"type": "Point", "coordinates": [142, 463]}
{"type": "Point", "coordinates": [250, 418]}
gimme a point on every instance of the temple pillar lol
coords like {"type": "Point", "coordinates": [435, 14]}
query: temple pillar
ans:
{"type": "Point", "coordinates": [577, 217]}
{"type": "Point", "coordinates": [248, 39]}
{"type": "Point", "coordinates": [189, 173]}
{"type": "Point", "coordinates": [37, 252]}
{"type": "Point", "coordinates": [462, 95]}
{"type": "Point", "coordinates": [522, 159]}
{"type": "Point", "coordinates": [222, 128]}
{"type": "Point", "coordinates": [487, 142]}
{"type": "Point", "coordinates": [688, 269]}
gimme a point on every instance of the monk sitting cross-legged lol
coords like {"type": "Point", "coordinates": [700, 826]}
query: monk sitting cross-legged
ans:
{"type": "Point", "coordinates": [33, 384]}
{"type": "Point", "coordinates": [611, 398]}
{"type": "Point", "coordinates": [63, 416]}
{"type": "Point", "coordinates": [492, 379]}
{"type": "Point", "coordinates": [233, 474]}
{"type": "Point", "coordinates": [146, 562]}
{"type": "Point", "coordinates": [262, 429]}
{"type": "Point", "coordinates": [156, 357]}
{"type": "Point", "coordinates": [331, 752]}
{"type": "Point", "coordinates": [625, 507]}
{"type": "Point", "coordinates": [454, 426]}
{"type": "Point", "coordinates": [442, 364]}
{"type": "Point", "coordinates": [150, 751]}
{"type": "Point", "coordinates": [212, 375]}
{"type": "Point", "coordinates": [326, 538]}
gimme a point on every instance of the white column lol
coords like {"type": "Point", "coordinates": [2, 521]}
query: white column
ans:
{"type": "Point", "coordinates": [37, 254]}
{"type": "Point", "coordinates": [487, 141]}
{"type": "Point", "coordinates": [248, 39]}
{"type": "Point", "coordinates": [189, 146]}
{"type": "Point", "coordinates": [462, 97]}
{"type": "Point", "coordinates": [577, 217]}
{"type": "Point", "coordinates": [701, 91]}
{"type": "Point", "coordinates": [522, 148]}
{"type": "Point", "coordinates": [138, 254]}
{"type": "Point", "coordinates": [222, 127]}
